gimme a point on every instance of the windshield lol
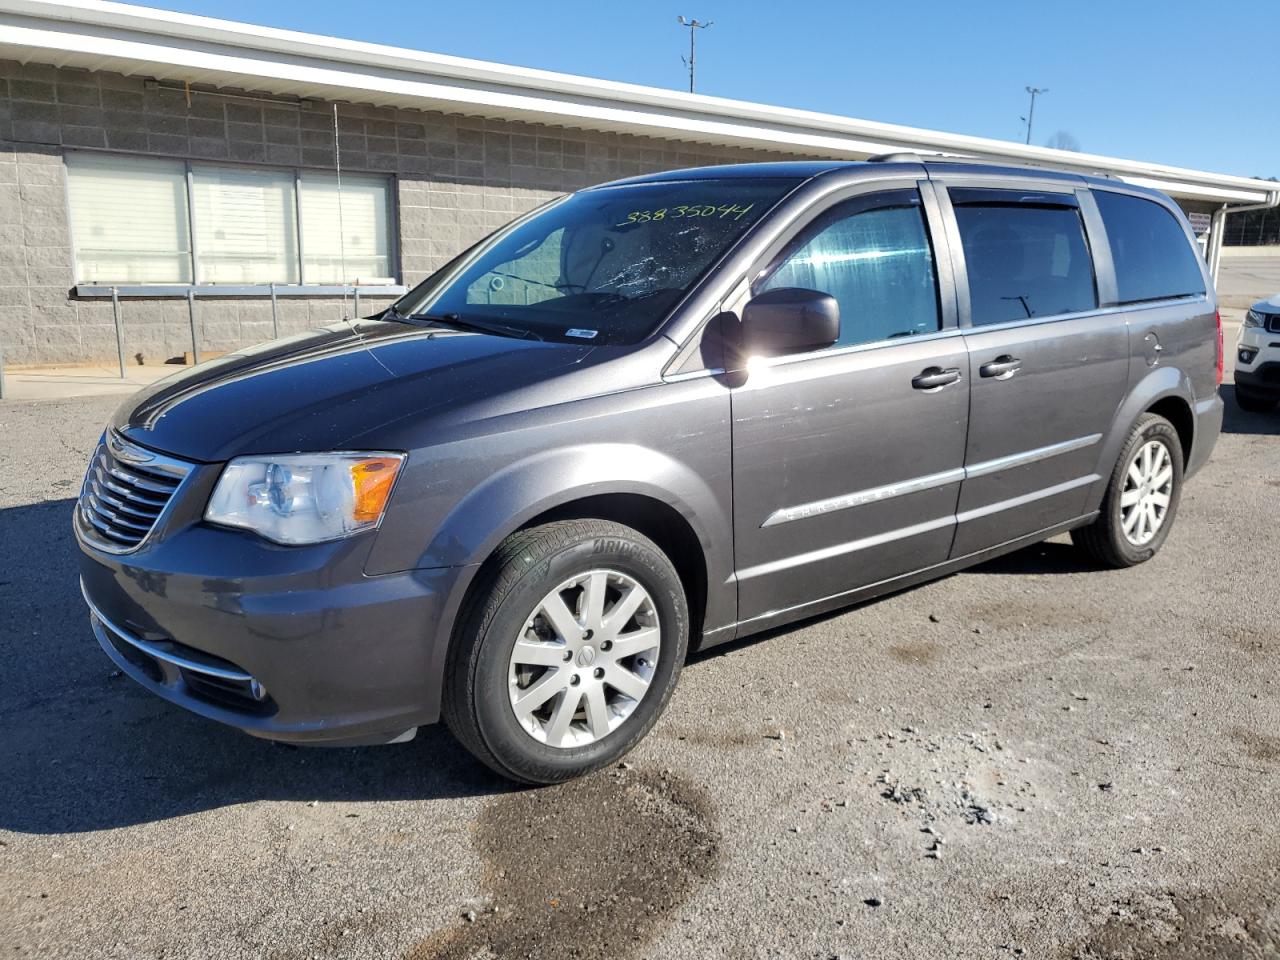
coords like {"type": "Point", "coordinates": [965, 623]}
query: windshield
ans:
{"type": "Point", "coordinates": [603, 266]}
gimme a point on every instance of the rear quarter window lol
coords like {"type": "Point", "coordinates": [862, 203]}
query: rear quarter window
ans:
{"type": "Point", "coordinates": [1153, 258]}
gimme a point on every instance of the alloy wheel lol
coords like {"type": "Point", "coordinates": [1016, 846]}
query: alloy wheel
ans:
{"type": "Point", "coordinates": [584, 659]}
{"type": "Point", "coordinates": [1148, 487]}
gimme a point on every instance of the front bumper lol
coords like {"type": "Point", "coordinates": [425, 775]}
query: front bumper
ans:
{"type": "Point", "coordinates": [1260, 374]}
{"type": "Point", "coordinates": [1262, 379]}
{"type": "Point", "coordinates": [292, 644]}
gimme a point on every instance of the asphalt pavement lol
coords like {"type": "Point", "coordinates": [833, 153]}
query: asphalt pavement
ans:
{"type": "Point", "coordinates": [1032, 758]}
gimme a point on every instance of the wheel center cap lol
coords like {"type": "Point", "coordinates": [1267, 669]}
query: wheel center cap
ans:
{"type": "Point", "coordinates": [586, 656]}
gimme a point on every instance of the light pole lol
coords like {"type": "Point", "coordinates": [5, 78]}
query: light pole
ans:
{"type": "Point", "coordinates": [1031, 114]}
{"type": "Point", "coordinates": [694, 26]}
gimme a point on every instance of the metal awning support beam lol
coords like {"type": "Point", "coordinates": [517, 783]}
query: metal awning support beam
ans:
{"type": "Point", "coordinates": [1218, 225]}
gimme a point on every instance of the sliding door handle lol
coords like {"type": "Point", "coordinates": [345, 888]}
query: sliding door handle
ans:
{"type": "Point", "coordinates": [931, 378]}
{"type": "Point", "coordinates": [1001, 368]}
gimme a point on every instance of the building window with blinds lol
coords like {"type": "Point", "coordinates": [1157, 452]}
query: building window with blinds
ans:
{"type": "Point", "coordinates": [129, 219]}
{"type": "Point", "coordinates": [356, 233]}
{"type": "Point", "coordinates": [142, 221]}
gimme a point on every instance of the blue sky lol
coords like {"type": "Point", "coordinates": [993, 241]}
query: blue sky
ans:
{"type": "Point", "coordinates": [1127, 78]}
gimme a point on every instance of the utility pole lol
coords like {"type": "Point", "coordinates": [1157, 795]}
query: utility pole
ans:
{"type": "Point", "coordinates": [694, 26]}
{"type": "Point", "coordinates": [1031, 114]}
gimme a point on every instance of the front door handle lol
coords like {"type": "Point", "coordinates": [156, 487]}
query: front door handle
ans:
{"type": "Point", "coordinates": [1002, 367]}
{"type": "Point", "coordinates": [931, 378]}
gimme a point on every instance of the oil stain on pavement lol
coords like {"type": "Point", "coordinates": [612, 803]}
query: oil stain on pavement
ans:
{"type": "Point", "coordinates": [588, 869]}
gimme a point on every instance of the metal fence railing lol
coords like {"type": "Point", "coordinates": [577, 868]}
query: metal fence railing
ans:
{"type": "Point", "coordinates": [120, 295]}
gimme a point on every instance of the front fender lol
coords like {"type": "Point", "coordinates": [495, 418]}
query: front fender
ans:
{"type": "Point", "coordinates": [1157, 384]}
{"type": "Point", "coordinates": [518, 493]}
{"type": "Point", "coordinates": [513, 496]}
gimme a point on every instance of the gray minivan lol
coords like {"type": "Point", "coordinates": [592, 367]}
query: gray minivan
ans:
{"type": "Point", "coordinates": [659, 413]}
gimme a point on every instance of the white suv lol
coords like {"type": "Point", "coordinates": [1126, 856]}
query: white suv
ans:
{"type": "Point", "coordinates": [1258, 357]}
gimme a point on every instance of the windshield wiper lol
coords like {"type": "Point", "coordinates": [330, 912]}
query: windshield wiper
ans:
{"type": "Point", "coordinates": [458, 323]}
{"type": "Point", "coordinates": [540, 283]}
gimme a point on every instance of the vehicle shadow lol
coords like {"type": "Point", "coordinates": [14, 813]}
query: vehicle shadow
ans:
{"type": "Point", "coordinates": [1235, 420]}
{"type": "Point", "coordinates": [85, 749]}
{"type": "Point", "coordinates": [1048, 556]}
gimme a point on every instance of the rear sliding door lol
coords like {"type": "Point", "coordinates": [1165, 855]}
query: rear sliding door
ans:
{"type": "Point", "coordinates": [1047, 366]}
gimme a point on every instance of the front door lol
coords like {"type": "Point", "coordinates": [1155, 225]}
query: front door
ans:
{"type": "Point", "coordinates": [1048, 369]}
{"type": "Point", "coordinates": [847, 461]}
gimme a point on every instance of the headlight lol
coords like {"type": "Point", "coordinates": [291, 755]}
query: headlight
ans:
{"type": "Point", "coordinates": [1253, 319]}
{"type": "Point", "coordinates": [305, 498]}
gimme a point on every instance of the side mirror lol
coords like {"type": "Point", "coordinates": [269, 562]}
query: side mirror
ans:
{"type": "Point", "coordinates": [788, 320]}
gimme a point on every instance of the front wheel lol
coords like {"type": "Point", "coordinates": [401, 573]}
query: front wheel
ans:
{"type": "Point", "coordinates": [570, 650]}
{"type": "Point", "coordinates": [1141, 499]}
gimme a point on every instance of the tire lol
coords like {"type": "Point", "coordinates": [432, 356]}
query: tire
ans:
{"type": "Point", "coordinates": [1253, 403]}
{"type": "Point", "coordinates": [1106, 539]}
{"type": "Point", "coordinates": [515, 600]}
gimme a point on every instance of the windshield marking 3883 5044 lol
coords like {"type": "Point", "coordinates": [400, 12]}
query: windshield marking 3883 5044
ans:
{"type": "Point", "coordinates": [605, 265]}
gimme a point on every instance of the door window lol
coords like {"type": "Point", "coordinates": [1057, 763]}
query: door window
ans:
{"type": "Point", "coordinates": [1024, 260]}
{"type": "Point", "coordinates": [873, 256]}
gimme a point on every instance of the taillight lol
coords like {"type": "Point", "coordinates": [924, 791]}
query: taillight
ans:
{"type": "Point", "coordinates": [1217, 318]}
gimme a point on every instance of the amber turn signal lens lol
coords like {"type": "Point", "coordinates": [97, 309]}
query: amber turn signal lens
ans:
{"type": "Point", "coordinates": [372, 480]}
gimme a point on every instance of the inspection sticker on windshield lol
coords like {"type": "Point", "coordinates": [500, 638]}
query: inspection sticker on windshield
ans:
{"type": "Point", "coordinates": [581, 334]}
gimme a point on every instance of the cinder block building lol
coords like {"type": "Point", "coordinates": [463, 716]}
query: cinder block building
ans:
{"type": "Point", "coordinates": [166, 178]}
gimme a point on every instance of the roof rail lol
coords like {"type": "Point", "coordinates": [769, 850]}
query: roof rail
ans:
{"type": "Point", "coordinates": [912, 156]}
{"type": "Point", "coordinates": [917, 156]}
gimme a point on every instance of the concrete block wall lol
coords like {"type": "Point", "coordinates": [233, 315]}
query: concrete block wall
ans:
{"type": "Point", "coordinates": [457, 179]}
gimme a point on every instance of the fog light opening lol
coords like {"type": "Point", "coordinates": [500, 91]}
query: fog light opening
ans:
{"type": "Point", "coordinates": [1246, 355]}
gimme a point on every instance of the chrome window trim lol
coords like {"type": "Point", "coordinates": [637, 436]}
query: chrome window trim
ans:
{"type": "Point", "coordinates": [102, 622]}
{"type": "Point", "coordinates": [932, 481]}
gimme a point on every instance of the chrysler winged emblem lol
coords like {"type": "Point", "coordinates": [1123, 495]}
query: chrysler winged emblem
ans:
{"type": "Point", "coordinates": [128, 452]}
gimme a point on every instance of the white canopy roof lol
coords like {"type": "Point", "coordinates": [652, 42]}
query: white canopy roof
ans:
{"type": "Point", "coordinates": [170, 46]}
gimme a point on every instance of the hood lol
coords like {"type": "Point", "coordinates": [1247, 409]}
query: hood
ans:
{"type": "Point", "coordinates": [316, 390]}
{"type": "Point", "coordinates": [1268, 306]}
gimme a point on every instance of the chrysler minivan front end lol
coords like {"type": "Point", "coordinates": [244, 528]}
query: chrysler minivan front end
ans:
{"type": "Point", "coordinates": [210, 590]}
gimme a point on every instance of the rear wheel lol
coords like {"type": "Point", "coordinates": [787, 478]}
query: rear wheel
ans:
{"type": "Point", "coordinates": [1141, 499]}
{"type": "Point", "coordinates": [1253, 403]}
{"type": "Point", "coordinates": [569, 652]}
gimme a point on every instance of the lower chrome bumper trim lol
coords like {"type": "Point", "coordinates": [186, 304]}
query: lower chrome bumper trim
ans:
{"type": "Point", "coordinates": [102, 622]}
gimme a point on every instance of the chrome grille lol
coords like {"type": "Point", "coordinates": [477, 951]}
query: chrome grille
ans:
{"type": "Point", "coordinates": [126, 491]}
{"type": "Point", "coordinates": [1273, 322]}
